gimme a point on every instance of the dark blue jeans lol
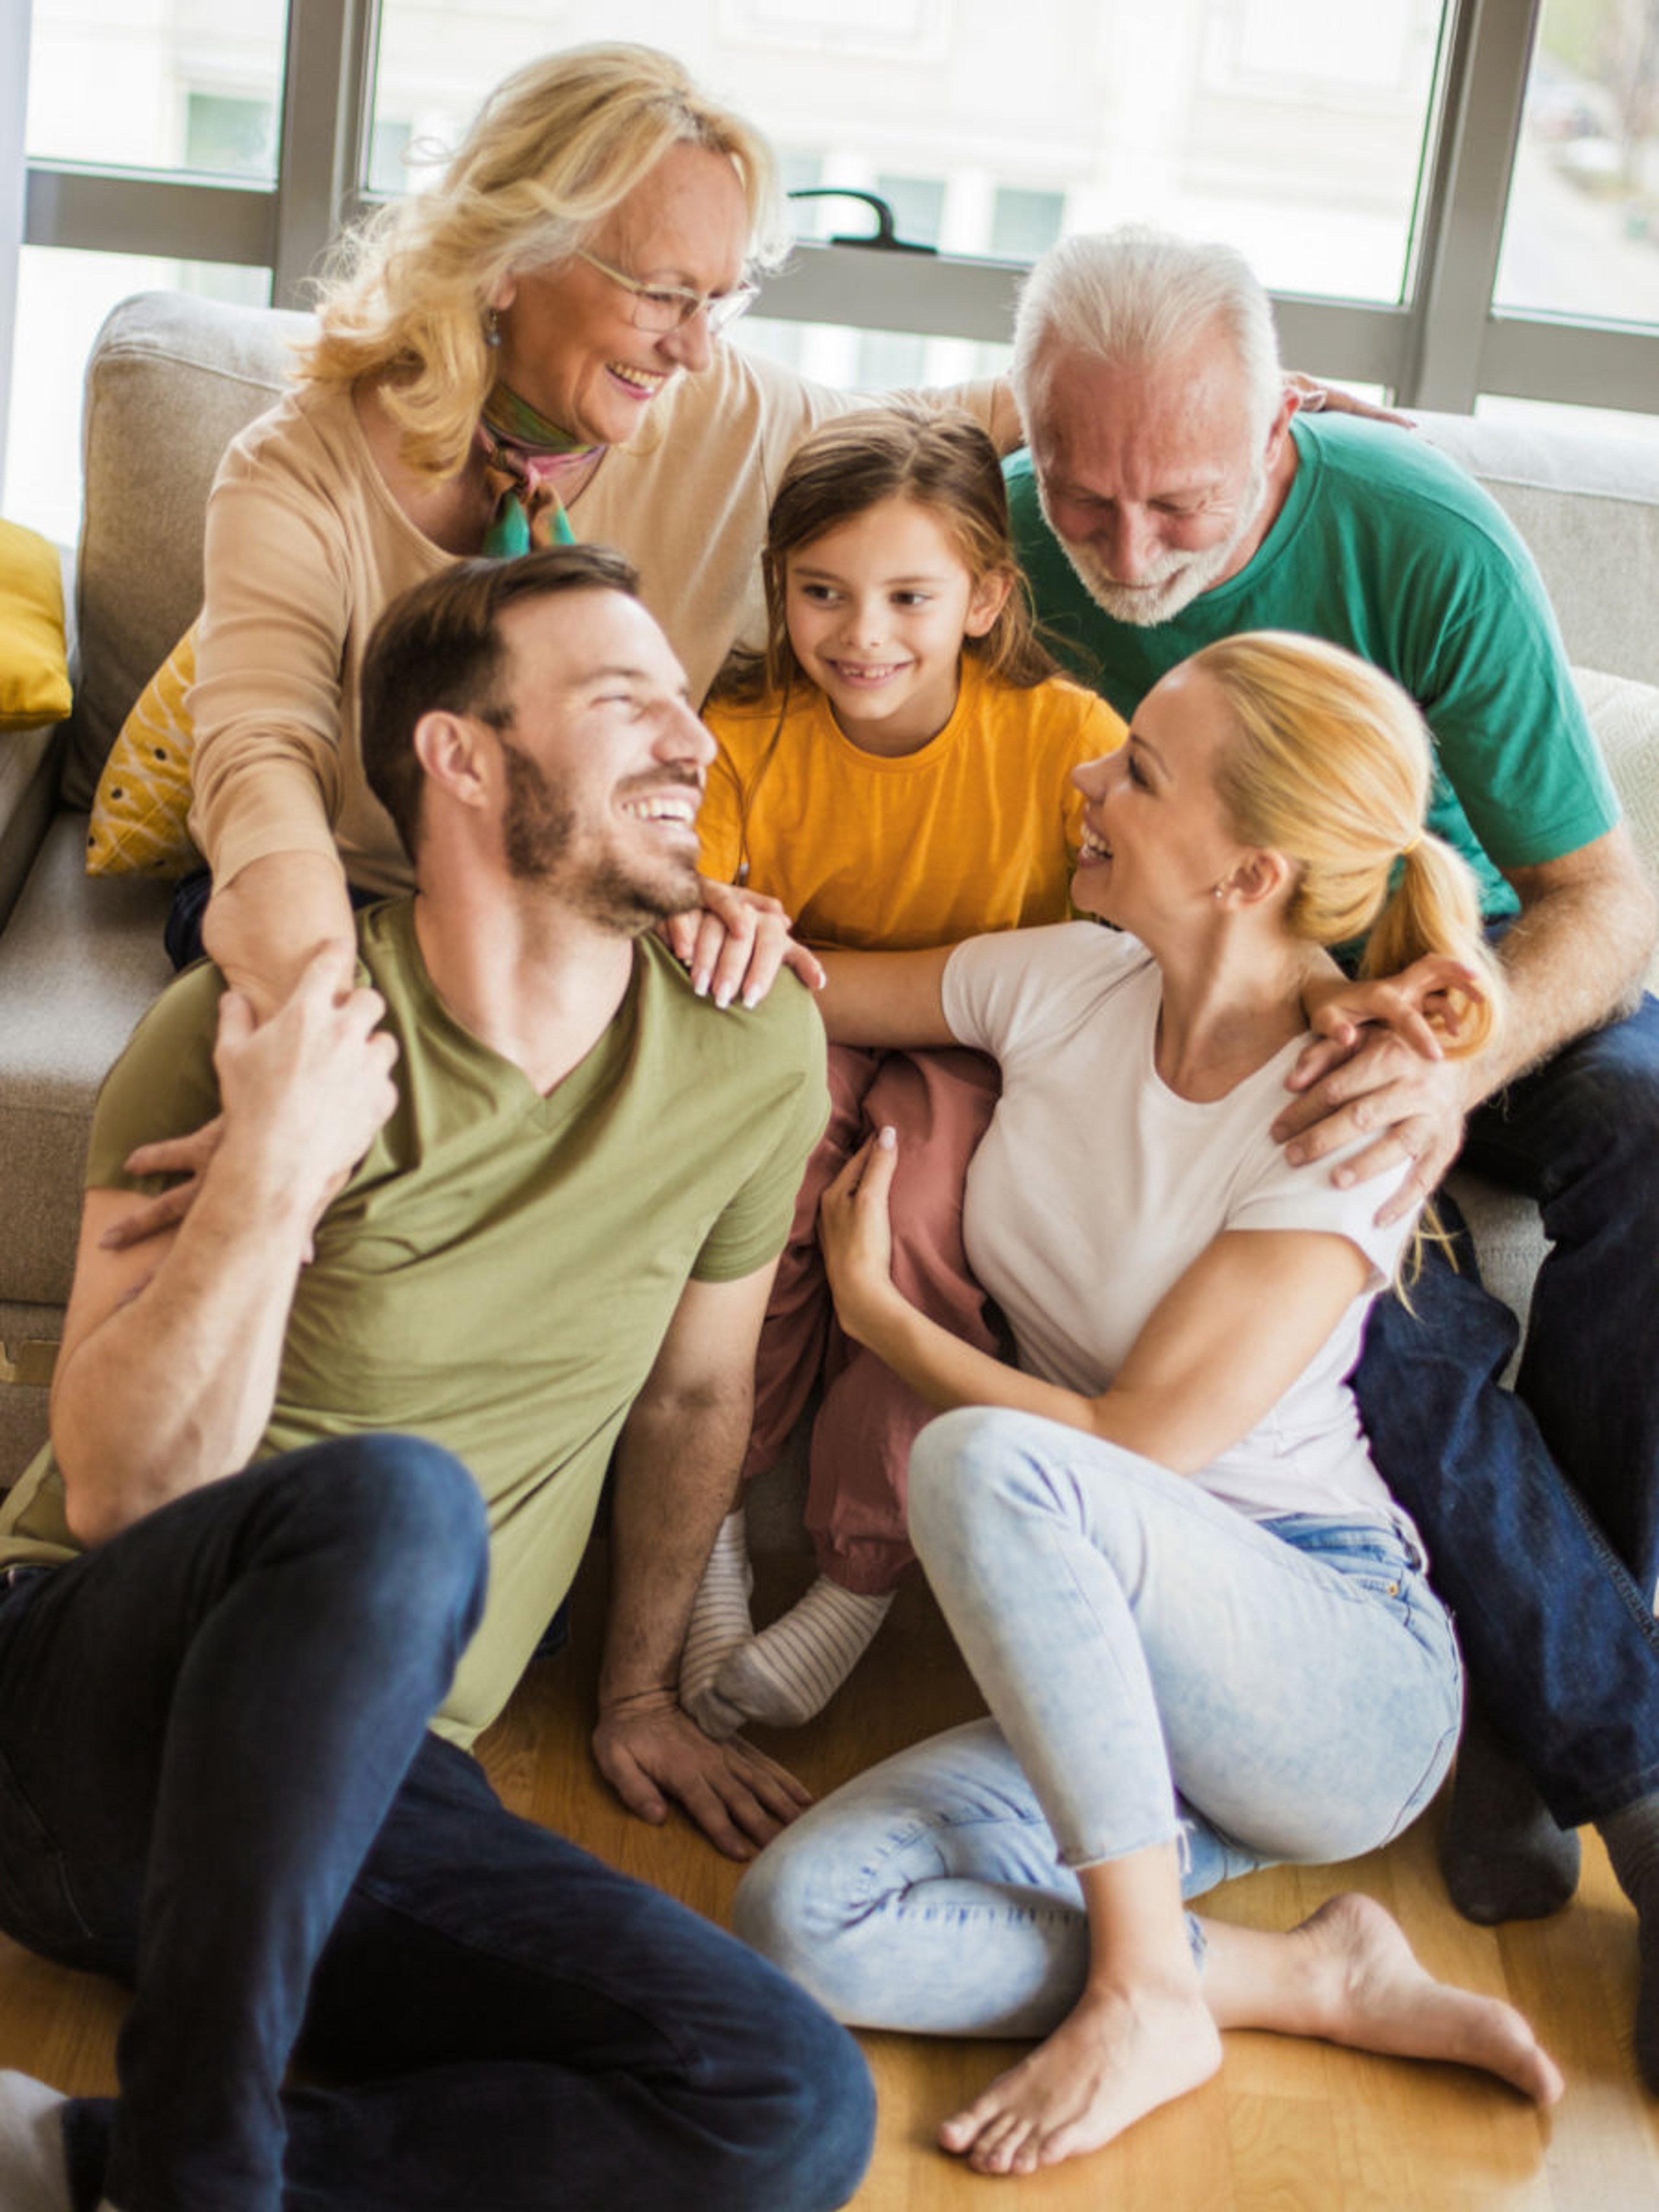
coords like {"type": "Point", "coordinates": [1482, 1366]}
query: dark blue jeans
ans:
{"type": "Point", "coordinates": [216, 1783]}
{"type": "Point", "coordinates": [1540, 1507]}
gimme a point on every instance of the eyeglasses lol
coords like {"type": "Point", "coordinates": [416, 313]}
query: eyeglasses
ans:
{"type": "Point", "coordinates": [671, 306]}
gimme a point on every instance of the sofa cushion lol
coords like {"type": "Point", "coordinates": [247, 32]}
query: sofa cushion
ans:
{"type": "Point", "coordinates": [35, 682]}
{"type": "Point", "coordinates": [1625, 717]}
{"type": "Point", "coordinates": [171, 381]}
{"type": "Point", "coordinates": [141, 809]}
{"type": "Point", "coordinates": [1588, 506]}
{"type": "Point", "coordinates": [79, 962]}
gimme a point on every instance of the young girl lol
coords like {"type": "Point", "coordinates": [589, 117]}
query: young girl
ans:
{"type": "Point", "coordinates": [895, 768]}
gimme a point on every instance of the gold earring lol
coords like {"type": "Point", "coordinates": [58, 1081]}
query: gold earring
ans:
{"type": "Point", "coordinates": [492, 329]}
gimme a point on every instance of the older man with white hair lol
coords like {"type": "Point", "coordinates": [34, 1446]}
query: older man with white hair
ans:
{"type": "Point", "coordinates": [1172, 494]}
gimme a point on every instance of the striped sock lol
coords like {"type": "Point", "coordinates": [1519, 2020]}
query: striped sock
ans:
{"type": "Point", "coordinates": [793, 1669]}
{"type": "Point", "coordinates": [33, 2176]}
{"type": "Point", "coordinates": [719, 1623]}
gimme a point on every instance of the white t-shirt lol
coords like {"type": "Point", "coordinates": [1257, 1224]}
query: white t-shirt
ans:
{"type": "Point", "coordinates": [1096, 1186]}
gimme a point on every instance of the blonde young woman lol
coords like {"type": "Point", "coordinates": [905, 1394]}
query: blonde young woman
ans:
{"type": "Point", "coordinates": [1201, 1624]}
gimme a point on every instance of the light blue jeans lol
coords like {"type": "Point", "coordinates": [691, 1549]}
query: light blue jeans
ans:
{"type": "Point", "coordinates": [1159, 1667]}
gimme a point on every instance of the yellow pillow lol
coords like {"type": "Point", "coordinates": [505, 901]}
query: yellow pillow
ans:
{"type": "Point", "coordinates": [141, 808]}
{"type": "Point", "coordinates": [34, 685]}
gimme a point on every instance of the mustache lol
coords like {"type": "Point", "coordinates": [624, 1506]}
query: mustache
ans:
{"type": "Point", "coordinates": [654, 779]}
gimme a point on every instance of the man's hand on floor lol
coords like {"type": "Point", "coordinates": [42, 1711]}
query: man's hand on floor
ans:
{"type": "Point", "coordinates": [649, 1751]}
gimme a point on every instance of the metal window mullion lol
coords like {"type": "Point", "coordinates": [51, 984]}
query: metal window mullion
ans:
{"type": "Point", "coordinates": [327, 85]}
{"type": "Point", "coordinates": [117, 211]}
{"type": "Point", "coordinates": [1462, 230]}
{"type": "Point", "coordinates": [956, 296]}
{"type": "Point", "coordinates": [1575, 364]}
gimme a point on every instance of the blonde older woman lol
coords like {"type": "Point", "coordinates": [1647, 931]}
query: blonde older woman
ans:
{"type": "Point", "coordinates": [529, 350]}
{"type": "Point", "coordinates": [1201, 1624]}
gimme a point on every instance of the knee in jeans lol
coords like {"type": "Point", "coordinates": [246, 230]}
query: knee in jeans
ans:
{"type": "Point", "coordinates": [779, 1910]}
{"type": "Point", "coordinates": [810, 2152]}
{"type": "Point", "coordinates": [966, 1469]}
{"type": "Point", "coordinates": [409, 1514]}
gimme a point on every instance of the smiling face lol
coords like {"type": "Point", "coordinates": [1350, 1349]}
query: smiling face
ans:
{"type": "Point", "coordinates": [603, 760]}
{"type": "Point", "coordinates": [877, 609]}
{"type": "Point", "coordinates": [1157, 479]}
{"type": "Point", "coordinates": [569, 341]}
{"type": "Point", "coordinates": [1156, 840]}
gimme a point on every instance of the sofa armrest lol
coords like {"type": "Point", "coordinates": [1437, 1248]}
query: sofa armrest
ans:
{"type": "Point", "coordinates": [31, 762]}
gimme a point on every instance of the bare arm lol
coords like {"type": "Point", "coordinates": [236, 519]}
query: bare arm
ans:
{"type": "Point", "coordinates": [1573, 958]}
{"type": "Point", "coordinates": [1217, 1353]}
{"type": "Point", "coordinates": [676, 1474]}
{"type": "Point", "coordinates": [172, 1349]}
{"type": "Point", "coordinates": [272, 918]}
{"type": "Point", "coordinates": [885, 998]}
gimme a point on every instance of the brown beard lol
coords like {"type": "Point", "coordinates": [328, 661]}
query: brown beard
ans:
{"type": "Point", "coordinates": [538, 833]}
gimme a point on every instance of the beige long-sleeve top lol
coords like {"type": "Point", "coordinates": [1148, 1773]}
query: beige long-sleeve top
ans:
{"type": "Point", "coordinates": [305, 545]}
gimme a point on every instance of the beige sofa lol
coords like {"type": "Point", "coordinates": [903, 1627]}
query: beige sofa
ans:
{"type": "Point", "coordinates": [172, 380]}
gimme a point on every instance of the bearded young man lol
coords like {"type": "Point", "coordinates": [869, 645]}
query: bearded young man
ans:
{"type": "Point", "coordinates": [497, 1214]}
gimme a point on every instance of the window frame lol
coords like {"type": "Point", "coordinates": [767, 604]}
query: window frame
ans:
{"type": "Point", "coordinates": [1444, 347]}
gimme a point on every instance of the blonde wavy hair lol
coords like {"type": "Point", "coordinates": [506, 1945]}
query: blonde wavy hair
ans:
{"type": "Point", "coordinates": [1332, 767]}
{"type": "Point", "coordinates": [555, 147]}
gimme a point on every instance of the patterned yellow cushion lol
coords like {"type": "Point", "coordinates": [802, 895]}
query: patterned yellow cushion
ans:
{"type": "Point", "coordinates": [34, 685]}
{"type": "Point", "coordinates": [140, 807]}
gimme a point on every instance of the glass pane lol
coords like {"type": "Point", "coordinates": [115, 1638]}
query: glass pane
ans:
{"type": "Point", "coordinates": [1582, 233]}
{"type": "Point", "coordinates": [68, 294]}
{"type": "Point", "coordinates": [867, 361]}
{"type": "Point", "coordinates": [191, 85]}
{"type": "Point", "coordinates": [1265, 121]}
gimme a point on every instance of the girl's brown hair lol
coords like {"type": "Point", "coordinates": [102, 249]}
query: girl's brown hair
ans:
{"type": "Point", "coordinates": [939, 458]}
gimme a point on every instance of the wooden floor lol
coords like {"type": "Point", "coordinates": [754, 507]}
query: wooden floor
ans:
{"type": "Point", "coordinates": [1286, 2127]}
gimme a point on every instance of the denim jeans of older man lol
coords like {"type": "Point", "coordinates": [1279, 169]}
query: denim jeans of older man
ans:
{"type": "Point", "coordinates": [218, 1784]}
{"type": "Point", "coordinates": [1158, 1668]}
{"type": "Point", "coordinates": [1541, 1506]}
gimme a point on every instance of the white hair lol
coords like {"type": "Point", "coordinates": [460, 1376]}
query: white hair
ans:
{"type": "Point", "coordinates": [1135, 297]}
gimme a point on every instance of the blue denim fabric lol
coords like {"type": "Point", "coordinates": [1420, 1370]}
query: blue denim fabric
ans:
{"type": "Point", "coordinates": [1157, 1667]}
{"type": "Point", "coordinates": [216, 1783]}
{"type": "Point", "coordinates": [1540, 1507]}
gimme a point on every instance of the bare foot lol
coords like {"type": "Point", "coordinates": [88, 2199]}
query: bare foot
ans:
{"type": "Point", "coordinates": [1363, 1987]}
{"type": "Point", "coordinates": [1116, 2057]}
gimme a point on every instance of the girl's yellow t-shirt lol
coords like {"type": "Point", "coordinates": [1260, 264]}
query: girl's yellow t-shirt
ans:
{"type": "Point", "coordinates": [977, 831]}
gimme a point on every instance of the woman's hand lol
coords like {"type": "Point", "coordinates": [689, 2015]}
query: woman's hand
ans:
{"type": "Point", "coordinates": [1312, 396]}
{"type": "Point", "coordinates": [734, 947]}
{"type": "Point", "coordinates": [1423, 1005]}
{"type": "Point", "coordinates": [856, 1237]}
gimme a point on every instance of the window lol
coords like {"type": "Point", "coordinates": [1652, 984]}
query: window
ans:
{"type": "Point", "coordinates": [1461, 205]}
{"type": "Point", "coordinates": [1582, 237]}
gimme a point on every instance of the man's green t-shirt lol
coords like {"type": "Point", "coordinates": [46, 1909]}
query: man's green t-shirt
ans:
{"type": "Point", "coordinates": [498, 1273]}
{"type": "Point", "coordinates": [1386, 547]}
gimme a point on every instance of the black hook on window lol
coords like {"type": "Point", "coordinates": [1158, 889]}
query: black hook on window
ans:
{"type": "Point", "coordinates": [885, 239]}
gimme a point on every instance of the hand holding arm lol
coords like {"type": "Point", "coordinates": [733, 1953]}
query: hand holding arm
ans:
{"type": "Point", "coordinates": [1570, 961]}
{"type": "Point", "coordinates": [272, 919]}
{"type": "Point", "coordinates": [171, 1350]}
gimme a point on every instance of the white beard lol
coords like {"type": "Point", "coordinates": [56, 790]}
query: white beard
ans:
{"type": "Point", "coordinates": [1177, 581]}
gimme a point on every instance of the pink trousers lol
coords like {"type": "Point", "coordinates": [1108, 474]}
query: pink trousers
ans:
{"type": "Point", "coordinates": [939, 1102]}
